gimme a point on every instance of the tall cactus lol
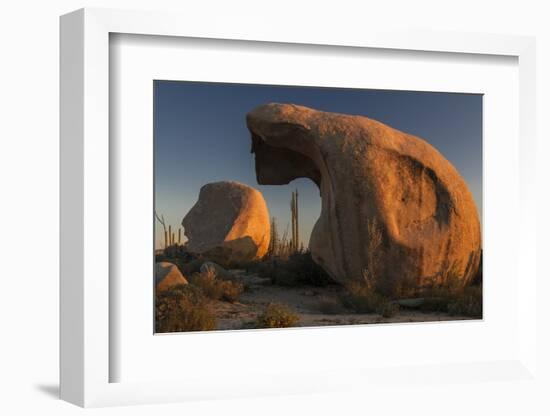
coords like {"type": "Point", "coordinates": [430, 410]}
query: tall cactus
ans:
{"type": "Point", "coordinates": [292, 207]}
{"type": "Point", "coordinates": [169, 234]}
{"type": "Point", "coordinates": [297, 224]}
{"type": "Point", "coordinates": [295, 242]}
{"type": "Point", "coordinates": [274, 239]}
{"type": "Point", "coordinates": [161, 220]}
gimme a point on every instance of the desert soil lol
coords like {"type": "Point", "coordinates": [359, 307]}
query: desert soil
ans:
{"type": "Point", "coordinates": [307, 302]}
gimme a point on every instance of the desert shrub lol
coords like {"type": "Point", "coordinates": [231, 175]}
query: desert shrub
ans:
{"type": "Point", "coordinates": [468, 303]}
{"type": "Point", "coordinates": [262, 268]}
{"type": "Point", "coordinates": [440, 294]}
{"type": "Point", "coordinates": [249, 324]}
{"type": "Point", "coordinates": [388, 309]}
{"type": "Point", "coordinates": [283, 275]}
{"type": "Point", "coordinates": [454, 298]}
{"type": "Point", "coordinates": [405, 288]}
{"type": "Point", "coordinates": [297, 270]}
{"type": "Point", "coordinates": [178, 251]}
{"type": "Point", "coordinates": [452, 282]}
{"type": "Point", "coordinates": [182, 308]}
{"type": "Point", "coordinates": [277, 316]}
{"type": "Point", "coordinates": [330, 306]}
{"type": "Point", "coordinates": [361, 298]}
{"type": "Point", "coordinates": [216, 288]}
{"type": "Point", "coordinates": [435, 304]}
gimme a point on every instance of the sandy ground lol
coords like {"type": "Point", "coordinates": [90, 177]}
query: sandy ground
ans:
{"type": "Point", "coordinates": [307, 302]}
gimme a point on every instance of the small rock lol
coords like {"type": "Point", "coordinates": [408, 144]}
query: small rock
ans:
{"type": "Point", "coordinates": [167, 275]}
{"type": "Point", "coordinates": [411, 303]}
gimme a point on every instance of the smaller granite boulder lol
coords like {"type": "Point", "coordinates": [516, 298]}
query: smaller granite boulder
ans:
{"type": "Point", "coordinates": [167, 275]}
{"type": "Point", "coordinates": [228, 224]}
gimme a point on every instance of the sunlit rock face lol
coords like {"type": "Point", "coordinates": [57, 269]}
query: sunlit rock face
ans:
{"type": "Point", "coordinates": [167, 275]}
{"type": "Point", "coordinates": [374, 181]}
{"type": "Point", "coordinates": [229, 223]}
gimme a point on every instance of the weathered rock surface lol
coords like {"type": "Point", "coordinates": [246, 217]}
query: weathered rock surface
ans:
{"type": "Point", "coordinates": [167, 275]}
{"type": "Point", "coordinates": [229, 223]}
{"type": "Point", "coordinates": [373, 179]}
{"type": "Point", "coordinates": [219, 271]}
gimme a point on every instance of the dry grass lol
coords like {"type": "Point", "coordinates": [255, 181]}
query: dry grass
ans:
{"type": "Point", "coordinates": [215, 288]}
{"type": "Point", "coordinates": [365, 297]}
{"type": "Point", "coordinates": [468, 303]}
{"type": "Point", "coordinates": [277, 316]}
{"type": "Point", "coordinates": [388, 309]}
{"type": "Point", "coordinates": [183, 308]}
{"type": "Point", "coordinates": [454, 298]}
{"type": "Point", "coordinates": [361, 298]}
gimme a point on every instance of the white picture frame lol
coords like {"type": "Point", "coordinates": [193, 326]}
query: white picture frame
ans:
{"type": "Point", "coordinates": [86, 356]}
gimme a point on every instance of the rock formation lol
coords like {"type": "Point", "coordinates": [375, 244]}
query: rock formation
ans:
{"type": "Point", "coordinates": [394, 210]}
{"type": "Point", "coordinates": [229, 223]}
{"type": "Point", "coordinates": [167, 275]}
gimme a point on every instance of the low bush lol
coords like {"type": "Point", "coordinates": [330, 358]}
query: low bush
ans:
{"type": "Point", "coordinates": [388, 309]}
{"type": "Point", "coordinates": [435, 304]}
{"type": "Point", "coordinates": [329, 306]}
{"type": "Point", "coordinates": [454, 299]}
{"type": "Point", "coordinates": [277, 316]}
{"type": "Point", "coordinates": [262, 268]}
{"type": "Point", "coordinates": [361, 299]}
{"type": "Point", "coordinates": [216, 288]}
{"type": "Point", "coordinates": [469, 303]}
{"type": "Point", "coordinates": [182, 308]}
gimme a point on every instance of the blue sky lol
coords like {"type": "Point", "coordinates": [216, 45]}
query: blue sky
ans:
{"type": "Point", "coordinates": [200, 136]}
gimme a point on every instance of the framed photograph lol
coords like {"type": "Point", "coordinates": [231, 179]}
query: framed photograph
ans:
{"type": "Point", "coordinates": [234, 250]}
{"type": "Point", "coordinates": [278, 212]}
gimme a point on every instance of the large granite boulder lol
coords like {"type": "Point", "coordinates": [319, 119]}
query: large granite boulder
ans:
{"type": "Point", "coordinates": [167, 275]}
{"type": "Point", "coordinates": [394, 210]}
{"type": "Point", "coordinates": [228, 224]}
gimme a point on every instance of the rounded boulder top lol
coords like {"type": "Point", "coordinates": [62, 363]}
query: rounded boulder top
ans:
{"type": "Point", "coordinates": [229, 223]}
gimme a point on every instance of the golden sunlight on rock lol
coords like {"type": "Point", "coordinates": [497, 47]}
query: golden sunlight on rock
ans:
{"type": "Point", "coordinates": [393, 208]}
{"type": "Point", "coordinates": [229, 223]}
